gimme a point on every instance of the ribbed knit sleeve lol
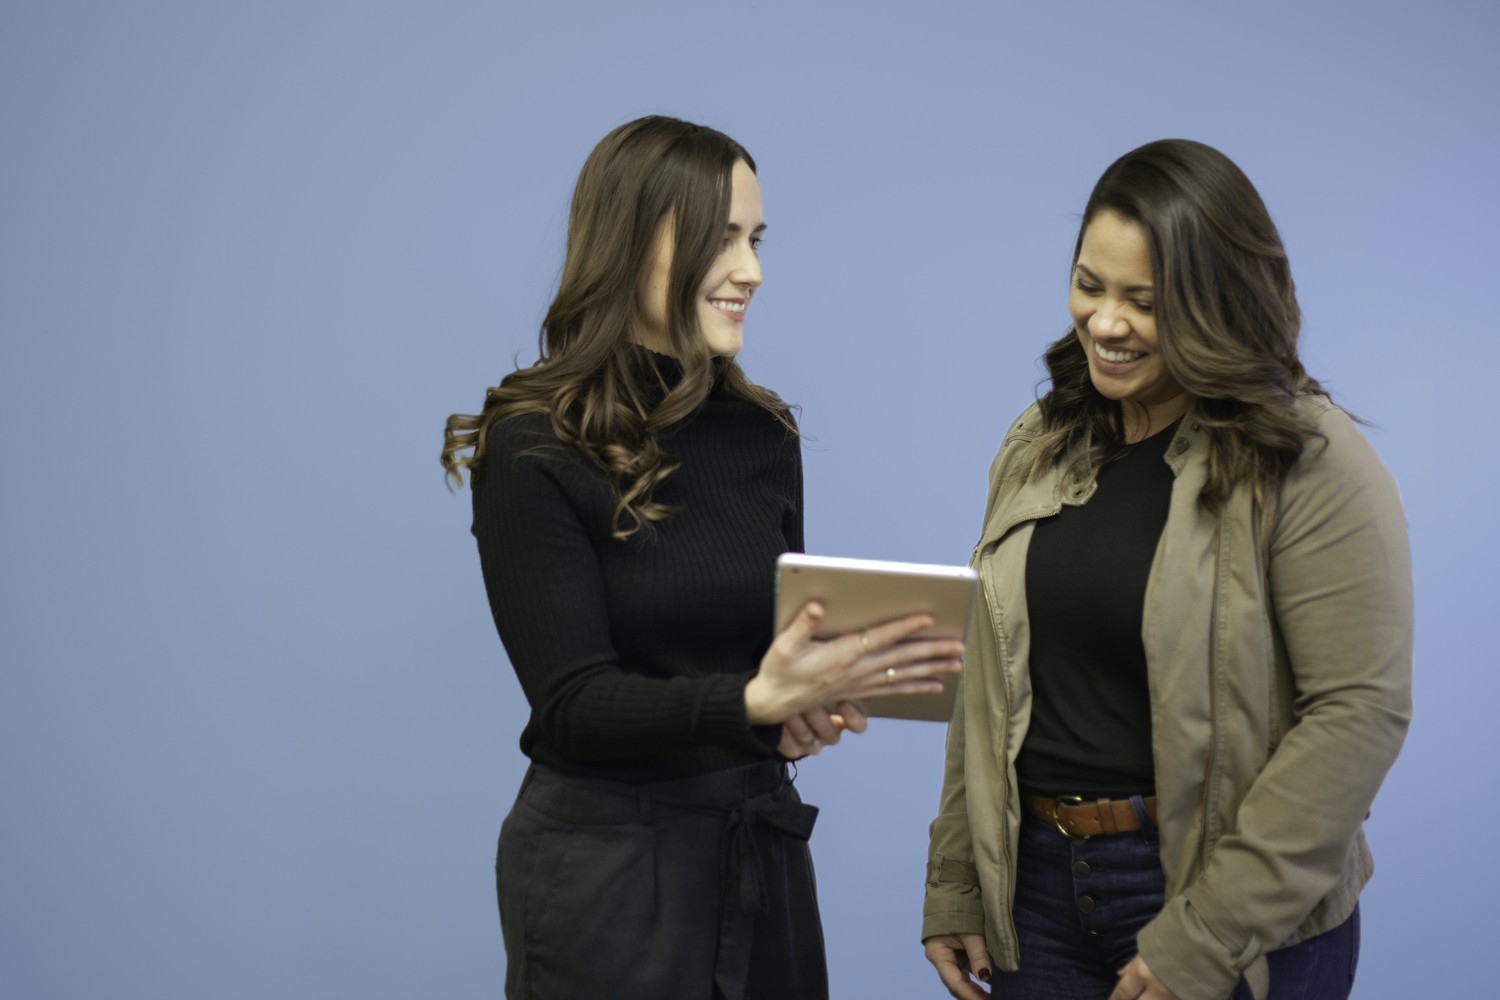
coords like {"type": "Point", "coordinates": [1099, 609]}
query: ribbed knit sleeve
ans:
{"type": "Point", "coordinates": [634, 655]}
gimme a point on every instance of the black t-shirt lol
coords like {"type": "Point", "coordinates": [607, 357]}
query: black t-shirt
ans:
{"type": "Point", "coordinates": [1086, 571]}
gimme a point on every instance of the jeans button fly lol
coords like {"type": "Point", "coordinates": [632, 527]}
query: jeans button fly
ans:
{"type": "Point", "coordinates": [1080, 868]}
{"type": "Point", "coordinates": [1085, 904]}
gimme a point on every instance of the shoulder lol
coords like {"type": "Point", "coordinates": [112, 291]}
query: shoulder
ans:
{"type": "Point", "coordinates": [522, 437]}
{"type": "Point", "coordinates": [746, 421]}
{"type": "Point", "coordinates": [1027, 426]}
{"type": "Point", "coordinates": [1339, 475]}
{"type": "Point", "coordinates": [521, 430]}
{"type": "Point", "coordinates": [1336, 447]}
{"type": "Point", "coordinates": [1014, 453]}
{"type": "Point", "coordinates": [523, 446]}
{"type": "Point", "coordinates": [734, 395]}
{"type": "Point", "coordinates": [732, 405]}
{"type": "Point", "coordinates": [1320, 410]}
{"type": "Point", "coordinates": [1022, 433]}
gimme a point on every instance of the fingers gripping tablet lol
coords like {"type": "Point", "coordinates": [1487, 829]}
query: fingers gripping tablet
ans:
{"type": "Point", "coordinates": [859, 593]}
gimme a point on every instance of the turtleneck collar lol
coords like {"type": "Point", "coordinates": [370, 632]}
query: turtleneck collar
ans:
{"type": "Point", "coordinates": [661, 373]}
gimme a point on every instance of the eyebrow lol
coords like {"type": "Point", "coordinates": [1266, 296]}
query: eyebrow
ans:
{"type": "Point", "coordinates": [1098, 281]}
{"type": "Point", "coordinates": [735, 227]}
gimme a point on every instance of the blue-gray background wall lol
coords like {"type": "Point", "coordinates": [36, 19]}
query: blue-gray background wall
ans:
{"type": "Point", "coordinates": [256, 731]}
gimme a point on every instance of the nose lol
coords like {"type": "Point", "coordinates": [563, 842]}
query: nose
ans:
{"type": "Point", "coordinates": [1108, 320]}
{"type": "Point", "coordinates": [746, 270]}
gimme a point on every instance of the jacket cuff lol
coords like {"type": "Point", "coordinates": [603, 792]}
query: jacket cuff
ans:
{"type": "Point", "coordinates": [1197, 947]}
{"type": "Point", "coordinates": [959, 916]}
{"type": "Point", "coordinates": [953, 904]}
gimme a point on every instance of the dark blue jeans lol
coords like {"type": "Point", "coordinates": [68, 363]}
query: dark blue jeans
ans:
{"type": "Point", "coordinates": [1080, 903]}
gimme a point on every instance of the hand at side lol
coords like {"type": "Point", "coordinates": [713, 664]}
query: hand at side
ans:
{"type": "Point", "coordinates": [956, 957]}
{"type": "Point", "coordinates": [1137, 981]}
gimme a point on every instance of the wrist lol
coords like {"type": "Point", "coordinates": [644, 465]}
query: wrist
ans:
{"type": "Point", "coordinates": [761, 705]}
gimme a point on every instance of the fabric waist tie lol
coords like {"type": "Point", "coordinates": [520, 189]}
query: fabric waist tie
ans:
{"type": "Point", "coordinates": [760, 813]}
{"type": "Point", "coordinates": [754, 837]}
{"type": "Point", "coordinates": [744, 864]}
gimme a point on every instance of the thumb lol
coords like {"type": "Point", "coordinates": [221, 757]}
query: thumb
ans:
{"type": "Point", "coordinates": [979, 956]}
{"type": "Point", "coordinates": [852, 717]}
{"type": "Point", "coordinates": [805, 624]}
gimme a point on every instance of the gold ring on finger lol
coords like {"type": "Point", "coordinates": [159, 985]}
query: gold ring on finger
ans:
{"type": "Point", "coordinates": [864, 641]}
{"type": "Point", "coordinates": [890, 675]}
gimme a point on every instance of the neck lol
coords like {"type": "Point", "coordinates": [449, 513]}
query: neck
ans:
{"type": "Point", "coordinates": [658, 344]}
{"type": "Point", "coordinates": [1144, 420]}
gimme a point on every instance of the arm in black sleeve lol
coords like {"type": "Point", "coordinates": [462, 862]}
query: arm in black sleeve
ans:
{"type": "Point", "coordinates": [547, 594]}
{"type": "Point", "coordinates": [793, 524]}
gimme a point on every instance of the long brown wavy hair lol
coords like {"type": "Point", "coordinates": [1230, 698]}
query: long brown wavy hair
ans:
{"type": "Point", "coordinates": [1227, 322]}
{"type": "Point", "coordinates": [588, 379]}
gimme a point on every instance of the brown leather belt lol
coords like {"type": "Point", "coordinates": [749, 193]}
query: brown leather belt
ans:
{"type": "Point", "coordinates": [1082, 820]}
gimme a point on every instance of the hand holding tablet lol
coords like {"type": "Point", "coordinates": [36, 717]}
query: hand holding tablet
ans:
{"type": "Point", "coordinates": [859, 594]}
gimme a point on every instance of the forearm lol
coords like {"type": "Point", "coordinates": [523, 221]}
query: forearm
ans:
{"type": "Point", "coordinates": [1289, 850]}
{"type": "Point", "coordinates": [593, 699]}
{"type": "Point", "coordinates": [614, 715]}
{"type": "Point", "coordinates": [953, 902]}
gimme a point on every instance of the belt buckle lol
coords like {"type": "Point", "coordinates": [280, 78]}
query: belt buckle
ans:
{"type": "Point", "coordinates": [1072, 800]}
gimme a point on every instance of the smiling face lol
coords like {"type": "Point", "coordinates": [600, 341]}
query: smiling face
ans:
{"type": "Point", "coordinates": [1113, 301]}
{"type": "Point", "coordinates": [725, 292]}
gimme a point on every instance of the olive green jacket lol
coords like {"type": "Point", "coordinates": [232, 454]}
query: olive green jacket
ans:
{"type": "Point", "coordinates": [1280, 680]}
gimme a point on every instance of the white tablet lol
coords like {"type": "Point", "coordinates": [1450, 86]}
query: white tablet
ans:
{"type": "Point", "coordinates": [858, 593]}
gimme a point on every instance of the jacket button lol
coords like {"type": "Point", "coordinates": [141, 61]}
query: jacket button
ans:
{"type": "Point", "coordinates": [1085, 904]}
{"type": "Point", "coordinates": [1182, 445]}
{"type": "Point", "coordinates": [1080, 868]}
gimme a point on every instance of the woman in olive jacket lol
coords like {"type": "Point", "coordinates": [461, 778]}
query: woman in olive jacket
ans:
{"type": "Point", "coordinates": [1190, 667]}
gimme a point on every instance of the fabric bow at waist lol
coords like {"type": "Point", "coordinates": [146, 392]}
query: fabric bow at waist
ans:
{"type": "Point", "coordinates": [744, 863]}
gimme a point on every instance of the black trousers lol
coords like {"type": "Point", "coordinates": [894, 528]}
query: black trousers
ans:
{"type": "Point", "coordinates": [696, 889]}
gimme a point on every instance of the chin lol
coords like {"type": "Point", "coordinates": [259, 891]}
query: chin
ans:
{"type": "Point", "coordinates": [1107, 390]}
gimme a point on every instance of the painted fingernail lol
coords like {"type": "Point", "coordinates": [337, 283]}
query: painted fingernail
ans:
{"type": "Point", "coordinates": [984, 975]}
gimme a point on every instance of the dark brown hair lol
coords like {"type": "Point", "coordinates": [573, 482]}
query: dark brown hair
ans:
{"type": "Point", "coordinates": [1226, 318]}
{"type": "Point", "coordinates": [588, 379]}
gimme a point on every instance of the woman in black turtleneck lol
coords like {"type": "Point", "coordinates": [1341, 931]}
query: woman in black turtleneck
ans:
{"type": "Point", "coordinates": [632, 490]}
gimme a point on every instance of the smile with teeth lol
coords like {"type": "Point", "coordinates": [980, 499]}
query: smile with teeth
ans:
{"type": "Point", "coordinates": [1117, 357]}
{"type": "Point", "coordinates": [734, 307]}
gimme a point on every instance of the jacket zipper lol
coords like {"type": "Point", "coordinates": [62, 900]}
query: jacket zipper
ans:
{"type": "Point", "coordinates": [1215, 704]}
{"type": "Point", "coordinates": [1004, 770]}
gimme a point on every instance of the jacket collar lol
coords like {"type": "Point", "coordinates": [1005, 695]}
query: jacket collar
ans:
{"type": "Point", "coordinates": [1044, 495]}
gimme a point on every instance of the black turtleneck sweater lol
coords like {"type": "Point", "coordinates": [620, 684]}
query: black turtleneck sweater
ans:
{"type": "Point", "coordinates": [634, 655]}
